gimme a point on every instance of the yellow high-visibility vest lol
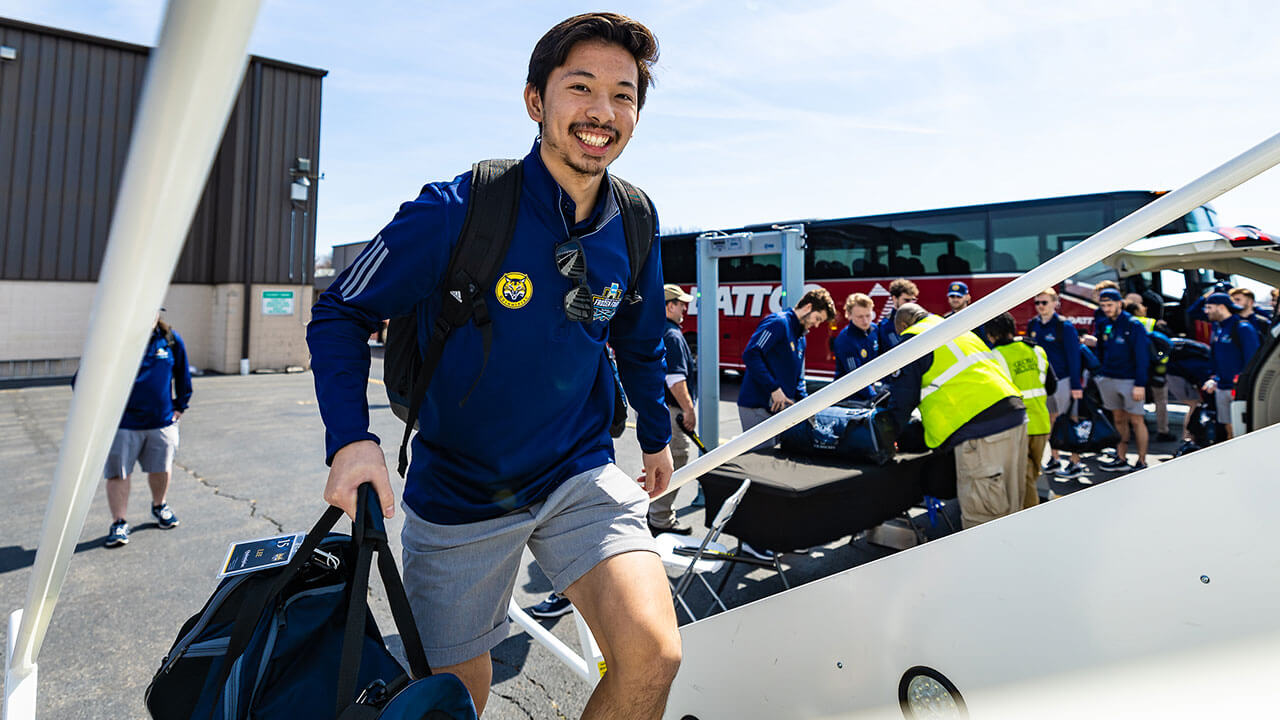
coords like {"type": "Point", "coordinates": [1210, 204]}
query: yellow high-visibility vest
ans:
{"type": "Point", "coordinates": [1028, 366]}
{"type": "Point", "coordinates": [963, 380]}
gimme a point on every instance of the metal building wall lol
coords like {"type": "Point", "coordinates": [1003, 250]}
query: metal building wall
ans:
{"type": "Point", "coordinates": [66, 115]}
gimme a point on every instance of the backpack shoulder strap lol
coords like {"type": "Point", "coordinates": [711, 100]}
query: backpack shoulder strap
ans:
{"type": "Point", "coordinates": [482, 244]}
{"type": "Point", "coordinates": [639, 224]}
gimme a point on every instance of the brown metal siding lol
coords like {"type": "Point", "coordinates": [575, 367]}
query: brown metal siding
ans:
{"type": "Point", "coordinates": [66, 113]}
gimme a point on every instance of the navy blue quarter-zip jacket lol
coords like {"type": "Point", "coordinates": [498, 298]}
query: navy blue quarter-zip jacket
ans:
{"type": "Point", "coordinates": [541, 408]}
{"type": "Point", "coordinates": [1061, 343]}
{"type": "Point", "coordinates": [775, 359]}
{"type": "Point", "coordinates": [162, 386]}
{"type": "Point", "coordinates": [854, 347]}
{"type": "Point", "coordinates": [1124, 349]}
{"type": "Point", "coordinates": [1235, 340]}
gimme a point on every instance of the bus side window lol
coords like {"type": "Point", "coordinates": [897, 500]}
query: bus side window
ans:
{"type": "Point", "coordinates": [1022, 238]}
{"type": "Point", "coordinates": [946, 245]}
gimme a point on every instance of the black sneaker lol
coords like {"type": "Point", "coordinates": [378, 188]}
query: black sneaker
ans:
{"type": "Point", "coordinates": [553, 607]}
{"type": "Point", "coordinates": [1114, 464]}
{"type": "Point", "coordinates": [165, 518]}
{"type": "Point", "coordinates": [1138, 466]}
{"type": "Point", "coordinates": [758, 554]}
{"type": "Point", "coordinates": [1052, 466]}
{"type": "Point", "coordinates": [118, 535]}
{"type": "Point", "coordinates": [1071, 471]}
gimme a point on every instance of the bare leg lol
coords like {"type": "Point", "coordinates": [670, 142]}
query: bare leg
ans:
{"type": "Point", "coordinates": [626, 602]}
{"type": "Point", "coordinates": [1053, 453]}
{"type": "Point", "coordinates": [477, 675]}
{"type": "Point", "coordinates": [1192, 407]}
{"type": "Point", "coordinates": [118, 497]}
{"type": "Point", "coordinates": [1139, 421]}
{"type": "Point", "coordinates": [1122, 427]}
{"type": "Point", "coordinates": [159, 483]}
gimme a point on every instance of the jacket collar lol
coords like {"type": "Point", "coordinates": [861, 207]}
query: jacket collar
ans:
{"type": "Point", "coordinates": [552, 198]}
{"type": "Point", "coordinates": [793, 322]}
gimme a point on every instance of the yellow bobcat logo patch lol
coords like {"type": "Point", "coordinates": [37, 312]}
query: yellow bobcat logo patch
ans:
{"type": "Point", "coordinates": [514, 290]}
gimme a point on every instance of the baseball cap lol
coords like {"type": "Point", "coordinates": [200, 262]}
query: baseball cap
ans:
{"type": "Point", "coordinates": [957, 289]}
{"type": "Point", "coordinates": [1221, 298]}
{"type": "Point", "coordinates": [673, 292]}
{"type": "Point", "coordinates": [1111, 294]}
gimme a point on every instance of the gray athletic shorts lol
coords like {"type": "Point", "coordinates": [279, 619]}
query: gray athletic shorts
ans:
{"type": "Point", "coordinates": [1222, 403]}
{"type": "Point", "coordinates": [1182, 391]}
{"type": "Point", "coordinates": [459, 578]}
{"type": "Point", "coordinates": [1117, 394]}
{"type": "Point", "coordinates": [1060, 401]}
{"type": "Point", "coordinates": [152, 449]}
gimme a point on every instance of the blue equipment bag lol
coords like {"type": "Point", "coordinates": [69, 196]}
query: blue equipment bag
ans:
{"type": "Point", "coordinates": [1085, 429]}
{"type": "Point", "coordinates": [862, 434]}
{"type": "Point", "coordinates": [299, 641]}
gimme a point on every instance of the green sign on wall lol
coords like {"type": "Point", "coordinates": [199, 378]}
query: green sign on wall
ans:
{"type": "Point", "coordinates": [277, 302]}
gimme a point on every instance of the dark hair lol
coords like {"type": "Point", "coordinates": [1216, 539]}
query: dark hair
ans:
{"type": "Point", "coordinates": [1001, 326]}
{"type": "Point", "coordinates": [554, 47]}
{"type": "Point", "coordinates": [819, 299]}
{"type": "Point", "coordinates": [903, 286]}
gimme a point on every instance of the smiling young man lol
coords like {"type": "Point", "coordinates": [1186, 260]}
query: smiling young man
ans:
{"type": "Point", "coordinates": [515, 451]}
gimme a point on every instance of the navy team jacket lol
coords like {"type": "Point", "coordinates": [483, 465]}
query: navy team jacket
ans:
{"type": "Point", "coordinates": [541, 410]}
{"type": "Point", "coordinates": [775, 359]}
{"type": "Point", "coordinates": [1061, 343]}
{"type": "Point", "coordinates": [163, 385]}
{"type": "Point", "coordinates": [854, 347]}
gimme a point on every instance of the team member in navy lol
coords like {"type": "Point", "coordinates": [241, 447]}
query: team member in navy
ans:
{"type": "Point", "coordinates": [1235, 340]}
{"type": "Point", "coordinates": [1124, 351]}
{"type": "Point", "coordinates": [682, 386]}
{"type": "Point", "coordinates": [902, 291]}
{"type": "Point", "coordinates": [1255, 316]}
{"type": "Point", "coordinates": [525, 458]}
{"type": "Point", "coordinates": [1061, 343]}
{"type": "Point", "coordinates": [859, 342]}
{"type": "Point", "coordinates": [148, 432]}
{"type": "Point", "coordinates": [1100, 319]}
{"type": "Point", "coordinates": [775, 358]}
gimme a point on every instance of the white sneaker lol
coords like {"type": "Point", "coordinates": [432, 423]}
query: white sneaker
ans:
{"type": "Point", "coordinates": [758, 554]}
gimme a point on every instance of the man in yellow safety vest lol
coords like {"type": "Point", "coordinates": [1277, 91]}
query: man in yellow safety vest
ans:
{"type": "Point", "coordinates": [966, 402]}
{"type": "Point", "coordinates": [1029, 367]}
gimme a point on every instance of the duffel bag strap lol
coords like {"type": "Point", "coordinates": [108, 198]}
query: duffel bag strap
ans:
{"type": "Point", "coordinates": [370, 535]}
{"type": "Point", "coordinates": [402, 613]}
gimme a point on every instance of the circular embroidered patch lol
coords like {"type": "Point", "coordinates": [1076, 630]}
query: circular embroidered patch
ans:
{"type": "Point", "coordinates": [514, 290]}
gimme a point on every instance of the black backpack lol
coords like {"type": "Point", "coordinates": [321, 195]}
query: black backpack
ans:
{"type": "Point", "coordinates": [486, 235]}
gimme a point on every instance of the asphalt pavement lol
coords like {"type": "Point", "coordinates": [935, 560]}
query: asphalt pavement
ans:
{"type": "Point", "coordinates": [250, 465]}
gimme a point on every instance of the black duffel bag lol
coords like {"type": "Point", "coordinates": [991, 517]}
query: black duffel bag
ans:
{"type": "Point", "coordinates": [1085, 429]}
{"type": "Point", "coordinates": [859, 434]}
{"type": "Point", "coordinates": [299, 641]}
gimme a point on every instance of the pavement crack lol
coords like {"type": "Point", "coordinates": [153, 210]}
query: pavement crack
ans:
{"type": "Point", "coordinates": [253, 504]}
{"type": "Point", "coordinates": [554, 705]}
{"type": "Point", "coordinates": [514, 702]}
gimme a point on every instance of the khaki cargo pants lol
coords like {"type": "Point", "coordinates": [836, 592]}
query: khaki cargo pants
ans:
{"type": "Point", "coordinates": [990, 475]}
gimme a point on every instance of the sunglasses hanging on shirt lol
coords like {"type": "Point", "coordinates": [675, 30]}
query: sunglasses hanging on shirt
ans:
{"type": "Point", "coordinates": [571, 261]}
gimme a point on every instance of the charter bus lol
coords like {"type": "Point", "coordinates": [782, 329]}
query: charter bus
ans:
{"type": "Point", "coordinates": [982, 245]}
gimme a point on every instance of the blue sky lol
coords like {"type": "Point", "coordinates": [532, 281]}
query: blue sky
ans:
{"type": "Point", "coordinates": [774, 111]}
